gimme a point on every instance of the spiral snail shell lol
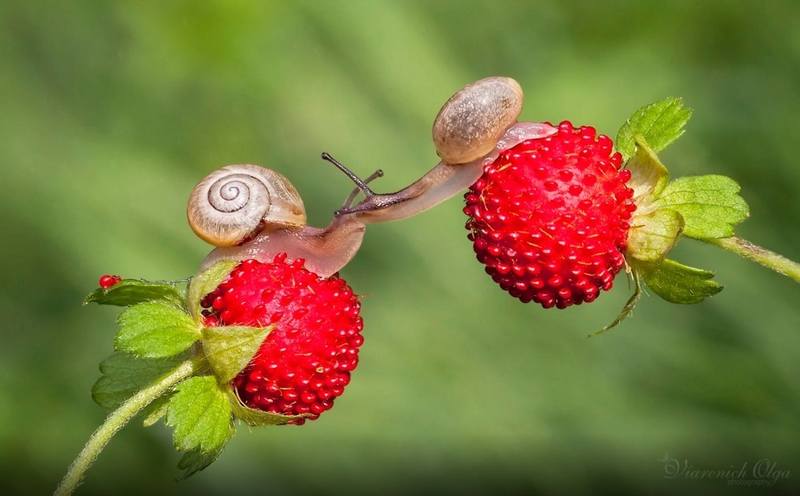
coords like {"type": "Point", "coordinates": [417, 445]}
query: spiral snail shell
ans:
{"type": "Point", "coordinates": [472, 121]}
{"type": "Point", "coordinates": [233, 203]}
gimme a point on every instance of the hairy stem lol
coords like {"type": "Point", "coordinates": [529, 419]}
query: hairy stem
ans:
{"type": "Point", "coordinates": [117, 420]}
{"type": "Point", "coordinates": [767, 258]}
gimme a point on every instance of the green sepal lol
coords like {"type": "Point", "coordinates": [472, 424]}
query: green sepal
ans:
{"type": "Point", "coordinates": [659, 123]}
{"type": "Point", "coordinates": [629, 307]}
{"type": "Point", "coordinates": [123, 375]}
{"type": "Point", "coordinates": [155, 329]}
{"type": "Point", "coordinates": [710, 205]}
{"type": "Point", "coordinates": [133, 291]}
{"type": "Point", "coordinates": [648, 175]}
{"type": "Point", "coordinates": [677, 283]}
{"type": "Point", "coordinates": [255, 418]}
{"type": "Point", "coordinates": [206, 282]}
{"type": "Point", "coordinates": [652, 236]}
{"type": "Point", "coordinates": [200, 414]}
{"type": "Point", "coordinates": [156, 410]}
{"type": "Point", "coordinates": [229, 349]}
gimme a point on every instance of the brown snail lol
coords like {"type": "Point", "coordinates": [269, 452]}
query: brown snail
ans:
{"type": "Point", "coordinates": [248, 211]}
{"type": "Point", "coordinates": [472, 128]}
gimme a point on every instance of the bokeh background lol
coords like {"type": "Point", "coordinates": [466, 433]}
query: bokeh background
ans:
{"type": "Point", "coordinates": [111, 111]}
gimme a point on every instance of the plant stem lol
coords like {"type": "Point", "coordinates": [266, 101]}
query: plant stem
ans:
{"type": "Point", "coordinates": [116, 421]}
{"type": "Point", "coordinates": [767, 258]}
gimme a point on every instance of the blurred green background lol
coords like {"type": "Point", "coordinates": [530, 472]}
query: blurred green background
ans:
{"type": "Point", "coordinates": [111, 111]}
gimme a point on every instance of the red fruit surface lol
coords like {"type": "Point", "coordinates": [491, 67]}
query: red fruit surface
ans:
{"type": "Point", "coordinates": [107, 280]}
{"type": "Point", "coordinates": [550, 217]}
{"type": "Point", "coordinates": [305, 362]}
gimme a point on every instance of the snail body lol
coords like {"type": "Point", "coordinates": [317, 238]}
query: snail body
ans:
{"type": "Point", "coordinates": [325, 250]}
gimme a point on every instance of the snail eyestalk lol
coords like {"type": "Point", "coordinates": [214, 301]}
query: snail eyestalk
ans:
{"type": "Point", "coordinates": [362, 185]}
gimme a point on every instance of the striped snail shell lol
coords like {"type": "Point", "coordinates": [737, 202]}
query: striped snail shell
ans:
{"type": "Point", "coordinates": [235, 202]}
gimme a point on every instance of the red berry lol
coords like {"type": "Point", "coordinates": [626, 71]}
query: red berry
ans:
{"type": "Point", "coordinates": [550, 217]}
{"type": "Point", "coordinates": [107, 280]}
{"type": "Point", "coordinates": [305, 362]}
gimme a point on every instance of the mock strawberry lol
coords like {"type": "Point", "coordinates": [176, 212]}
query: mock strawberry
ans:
{"type": "Point", "coordinates": [305, 362]}
{"type": "Point", "coordinates": [549, 218]}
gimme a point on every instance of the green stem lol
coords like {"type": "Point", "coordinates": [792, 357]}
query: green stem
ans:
{"type": "Point", "coordinates": [767, 258]}
{"type": "Point", "coordinates": [116, 421]}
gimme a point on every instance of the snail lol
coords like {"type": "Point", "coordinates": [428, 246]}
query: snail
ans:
{"type": "Point", "coordinates": [473, 127]}
{"type": "Point", "coordinates": [248, 211]}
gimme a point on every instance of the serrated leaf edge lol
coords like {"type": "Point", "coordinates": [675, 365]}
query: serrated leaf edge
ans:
{"type": "Point", "coordinates": [118, 340]}
{"type": "Point", "coordinates": [170, 421]}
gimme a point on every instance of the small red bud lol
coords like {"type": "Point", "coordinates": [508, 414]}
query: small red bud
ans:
{"type": "Point", "coordinates": [108, 280]}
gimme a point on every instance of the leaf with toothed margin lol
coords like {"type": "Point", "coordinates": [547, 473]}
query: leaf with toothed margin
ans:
{"type": "Point", "coordinates": [678, 283]}
{"type": "Point", "coordinates": [201, 417]}
{"type": "Point", "coordinates": [659, 123]}
{"type": "Point", "coordinates": [710, 205]}
{"type": "Point", "coordinates": [155, 329]}
{"type": "Point", "coordinates": [652, 236]}
{"type": "Point", "coordinates": [206, 282]}
{"type": "Point", "coordinates": [124, 375]}
{"type": "Point", "coordinates": [200, 414]}
{"type": "Point", "coordinates": [230, 348]}
{"type": "Point", "coordinates": [648, 175]}
{"type": "Point", "coordinates": [133, 291]}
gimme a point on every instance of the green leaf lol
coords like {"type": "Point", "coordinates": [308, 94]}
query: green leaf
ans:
{"type": "Point", "coordinates": [132, 291]}
{"type": "Point", "coordinates": [652, 236]}
{"type": "Point", "coordinates": [156, 410]}
{"type": "Point", "coordinates": [255, 417]}
{"type": "Point", "coordinates": [659, 123]}
{"type": "Point", "coordinates": [230, 349]}
{"type": "Point", "coordinates": [648, 175]}
{"type": "Point", "coordinates": [200, 414]}
{"type": "Point", "coordinates": [710, 205]}
{"type": "Point", "coordinates": [206, 282]}
{"type": "Point", "coordinates": [155, 329]}
{"type": "Point", "coordinates": [196, 460]}
{"type": "Point", "coordinates": [124, 375]}
{"type": "Point", "coordinates": [678, 283]}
